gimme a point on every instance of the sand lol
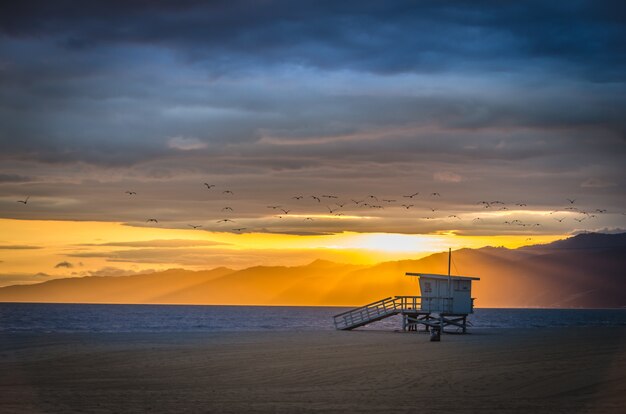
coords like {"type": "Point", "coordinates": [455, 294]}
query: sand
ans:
{"type": "Point", "coordinates": [488, 371]}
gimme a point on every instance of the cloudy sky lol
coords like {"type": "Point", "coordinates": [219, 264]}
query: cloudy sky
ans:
{"type": "Point", "coordinates": [522, 103]}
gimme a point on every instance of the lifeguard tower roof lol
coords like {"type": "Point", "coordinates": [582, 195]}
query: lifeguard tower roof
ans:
{"type": "Point", "coordinates": [436, 276]}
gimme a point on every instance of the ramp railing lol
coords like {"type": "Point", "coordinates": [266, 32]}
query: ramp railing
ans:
{"type": "Point", "coordinates": [368, 313]}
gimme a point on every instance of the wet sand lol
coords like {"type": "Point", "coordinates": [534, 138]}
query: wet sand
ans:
{"type": "Point", "coordinates": [488, 371]}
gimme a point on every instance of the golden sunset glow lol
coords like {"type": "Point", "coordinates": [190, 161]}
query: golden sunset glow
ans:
{"type": "Point", "coordinates": [62, 248]}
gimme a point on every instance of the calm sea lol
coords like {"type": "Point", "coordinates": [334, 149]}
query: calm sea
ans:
{"type": "Point", "coordinates": [40, 317]}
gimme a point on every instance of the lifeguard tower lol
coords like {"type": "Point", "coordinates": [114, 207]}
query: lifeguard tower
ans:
{"type": "Point", "coordinates": [446, 300]}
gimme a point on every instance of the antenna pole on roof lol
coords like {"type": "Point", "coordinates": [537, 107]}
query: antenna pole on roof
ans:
{"type": "Point", "coordinates": [449, 278]}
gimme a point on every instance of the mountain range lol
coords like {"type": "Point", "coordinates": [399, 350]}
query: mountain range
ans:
{"type": "Point", "coordinates": [586, 270]}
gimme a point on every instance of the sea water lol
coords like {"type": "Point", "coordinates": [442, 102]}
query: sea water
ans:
{"type": "Point", "coordinates": [43, 317]}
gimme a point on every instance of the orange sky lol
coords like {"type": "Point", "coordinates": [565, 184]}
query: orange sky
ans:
{"type": "Point", "coordinates": [37, 250]}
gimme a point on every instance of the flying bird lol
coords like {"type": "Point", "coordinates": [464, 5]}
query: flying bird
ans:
{"type": "Point", "coordinates": [560, 220]}
{"type": "Point", "coordinates": [297, 197]}
{"type": "Point", "coordinates": [357, 202]}
{"type": "Point", "coordinates": [227, 208]}
{"type": "Point", "coordinates": [227, 192]}
{"type": "Point", "coordinates": [435, 194]}
{"type": "Point", "coordinates": [331, 210]}
{"type": "Point", "coordinates": [130, 192]}
{"type": "Point", "coordinates": [579, 220]}
{"type": "Point", "coordinates": [25, 201]}
{"type": "Point", "coordinates": [316, 198]}
{"type": "Point", "coordinates": [454, 216]}
{"type": "Point", "coordinates": [388, 200]}
{"type": "Point", "coordinates": [240, 229]}
{"type": "Point", "coordinates": [521, 204]}
{"type": "Point", "coordinates": [192, 226]}
{"type": "Point", "coordinates": [340, 205]}
{"type": "Point", "coordinates": [570, 200]}
{"type": "Point", "coordinates": [209, 186]}
{"type": "Point", "coordinates": [308, 218]}
{"type": "Point", "coordinates": [225, 220]}
{"type": "Point", "coordinates": [433, 209]}
{"type": "Point", "coordinates": [411, 195]}
{"type": "Point", "coordinates": [329, 196]}
{"type": "Point", "coordinates": [373, 196]}
{"type": "Point", "coordinates": [273, 207]}
{"type": "Point", "coordinates": [152, 220]}
{"type": "Point", "coordinates": [407, 206]}
{"type": "Point", "coordinates": [600, 210]}
{"type": "Point", "coordinates": [285, 211]}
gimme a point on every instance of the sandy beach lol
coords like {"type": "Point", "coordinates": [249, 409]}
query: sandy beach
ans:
{"type": "Point", "coordinates": [494, 371]}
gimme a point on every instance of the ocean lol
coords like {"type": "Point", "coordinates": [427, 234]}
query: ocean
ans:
{"type": "Point", "coordinates": [44, 317]}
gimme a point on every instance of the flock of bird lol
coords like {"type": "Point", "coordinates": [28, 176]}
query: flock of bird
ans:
{"type": "Point", "coordinates": [336, 207]}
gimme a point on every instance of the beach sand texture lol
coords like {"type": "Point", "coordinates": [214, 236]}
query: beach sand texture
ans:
{"type": "Point", "coordinates": [581, 370]}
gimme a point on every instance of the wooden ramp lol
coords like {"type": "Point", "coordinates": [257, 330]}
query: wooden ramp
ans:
{"type": "Point", "coordinates": [369, 313]}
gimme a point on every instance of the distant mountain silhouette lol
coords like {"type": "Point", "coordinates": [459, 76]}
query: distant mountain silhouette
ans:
{"type": "Point", "coordinates": [586, 270]}
{"type": "Point", "coordinates": [597, 241]}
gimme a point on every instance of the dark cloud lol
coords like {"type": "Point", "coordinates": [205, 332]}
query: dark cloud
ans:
{"type": "Point", "coordinates": [18, 247]}
{"type": "Point", "coordinates": [14, 178]}
{"type": "Point", "coordinates": [162, 243]}
{"type": "Point", "coordinates": [366, 35]}
{"type": "Point", "coordinates": [523, 102]}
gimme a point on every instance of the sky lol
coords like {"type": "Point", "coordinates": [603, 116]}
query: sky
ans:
{"type": "Point", "coordinates": [521, 103]}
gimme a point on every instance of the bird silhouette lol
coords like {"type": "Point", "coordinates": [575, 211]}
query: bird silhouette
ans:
{"type": "Point", "coordinates": [579, 220]}
{"type": "Point", "coordinates": [570, 200]}
{"type": "Point", "coordinates": [560, 220]}
{"type": "Point", "coordinates": [308, 218]}
{"type": "Point", "coordinates": [239, 229]}
{"type": "Point", "coordinates": [130, 192]}
{"type": "Point", "coordinates": [433, 209]}
{"type": "Point", "coordinates": [407, 206]}
{"type": "Point", "coordinates": [477, 218]}
{"type": "Point", "coordinates": [454, 216]}
{"type": "Point", "coordinates": [386, 200]}
{"type": "Point", "coordinates": [209, 186]}
{"type": "Point", "coordinates": [297, 197]}
{"type": "Point", "coordinates": [435, 194]}
{"type": "Point", "coordinates": [25, 201]}
{"type": "Point", "coordinates": [316, 198]}
{"type": "Point", "coordinates": [227, 192]}
{"type": "Point", "coordinates": [227, 208]}
{"type": "Point", "coordinates": [329, 196]}
{"type": "Point", "coordinates": [600, 210]}
{"type": "Point", "coordinates": [225, 220]}
{"type": "Point", "coordinates": [152, 220]}
{"type": "Point", "coordinates": [285, 211]}
{"type": "Point", "coordinates": [357, 202]}
{"type": "Point", "coordinates": [411, 195]}
{"type": "Point", "coordinates": [331, 210]}
{"type": "Point", "coordinates": [521, 204]}
{"type": "Point", "coordinates": [194, 227]}
{"type": "Point", "coordinates": [372, 197]}
{"type": "Point", "coordinates": [273, 207]}
{"type": "Point", "coordinates": [340, 205]}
